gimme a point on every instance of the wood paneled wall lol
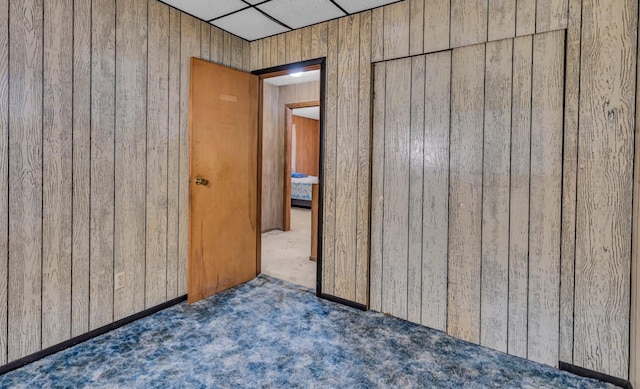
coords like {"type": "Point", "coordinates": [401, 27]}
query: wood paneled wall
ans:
{"type": "Point", "coordinates": [273, 145]}
{"type": "Point", "coordinates": [574, 254]}
{"type": "Point", "coordinates": [307, 145]}
{"type": "Point", "coordinates": [94, 161]}
{"type": "Point", "coordinates": [455, 176]}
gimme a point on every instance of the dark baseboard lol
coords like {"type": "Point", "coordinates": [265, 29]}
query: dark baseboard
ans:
{"type": "Point", "coordinates": [342, 301]}
{"type": "Point", "coordinates": [301, 203]}
{"type": "Point", "coordinates": [89, 335]}
{"type": "Point", "coordinates": [581, 371]}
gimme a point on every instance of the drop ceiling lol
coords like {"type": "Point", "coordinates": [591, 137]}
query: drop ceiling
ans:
{"type": "Point", "coordinates": [251, 19]}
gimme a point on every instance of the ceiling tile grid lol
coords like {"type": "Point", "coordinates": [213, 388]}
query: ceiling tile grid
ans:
{"type": "Point", "coordinates": [256, 19]}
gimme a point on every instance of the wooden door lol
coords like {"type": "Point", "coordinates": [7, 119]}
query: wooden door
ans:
{"type": "Point", "coordinates": [224, 151]}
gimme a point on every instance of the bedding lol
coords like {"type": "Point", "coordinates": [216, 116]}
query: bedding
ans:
{"type": "Point", "coordinates": [301, 187]}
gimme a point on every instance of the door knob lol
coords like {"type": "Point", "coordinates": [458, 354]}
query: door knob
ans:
{"type": "Point", "coordinates": [201, 181]}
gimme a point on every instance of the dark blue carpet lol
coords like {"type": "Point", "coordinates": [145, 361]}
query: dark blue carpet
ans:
{"type": "Point", "coordinates": [268, 333]}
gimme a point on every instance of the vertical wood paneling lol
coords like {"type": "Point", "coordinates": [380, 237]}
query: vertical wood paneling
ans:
{"type": "Point", "coordinates": [605, 175]}
{"type": "Point", "coordinates": [634, 357]}
{"type": "Point", "coordinates": [465, 197]}
{"type": "Point", "coordinates": [377, 184]}
{"type": "Point", "coordinates": [495, 195]}
{"type": "Point", "coordinates": [57, 170]}
{"type": "Point", "coordinates": [435, 208]}
{"type": "Point", "coordinates": [377, 34]}
{"type": "Point", "coordinates": [216, 51]}
{"type": "Point", "coordinates": [25, 177]}
{"type": "Point", "coordinates": [526, 17]}
{"type": "Point", "coordinates": [502, 19]}
{"type": "Point", "coordinates": [416, 27]}
{"type": "Point", "coordinates": [519, 216]}
{"type": "Point", "coordinates": [274, 48]}
{"type": "Point", "coordinates": [103, 37]}
{"type": "Point", "coordinates": [4, 174]}
{"type": "Point", "coordinates": [281, 58]}
{"type": "Point", "coordinates": [293, 42]}
{"type": "Point", "coordinates": [468, 22]}
{"type": "Point", "coordinates": [81, 166]}
{"type": "Point", "coordinates": [306, 44]}
{"type": "Point", "coordinates": [551, 15]}
{"type": "Point", "coordinates": [437, 18]}
{"type": "Point", "coordinates": [205, 41]}
{"type": "Point", "coordinates": [330, 139]}
{"type": "Point", "coordinates": [545, 197]}
{"type": "Point", "coordinates": [246, 56]}
{"type": "Point", "coordinates": [347, 156]}
{"type": "Point", "coordinates": [395, 223]}
{"type": "Point", "coordinates": [227, 48]}
{"type": "Point", "coordinates": [364, 147]}
{"type": "Point", "coordinates": [396, 30]}
{"type": "Point", "coordinates": [318, 40]}
{"type": "Point", "coordinates": [416, 171]}
{"type": "Point", "coordinates": [236, 52]}
{"type": "Point", "coordinates": [266, 52]}
{"type": "Point", "coordinates": [173, 154]}
{"type": "Point", "coordinates": [130, 155]}
{"type": "Point", "coordinates": [189, 48]}
{"type": "Point", "coordinates": [157, 155]}
{"type": "Point", "coordinates": [256, 60]}
{"type": "Point", "coordinates": [569, 181]}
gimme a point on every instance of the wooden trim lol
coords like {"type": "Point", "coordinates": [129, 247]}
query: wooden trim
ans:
{"type": "Point", "coordinates": [582, 372]}
{"type": "Point", "coordinates": [287, 159]}
{"type": "Point", "coordinates": [259, 174]}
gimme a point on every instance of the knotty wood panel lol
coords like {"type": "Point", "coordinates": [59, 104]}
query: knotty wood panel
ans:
{"type": "Point", "coordinates": [465, 197]}
{"type": "Point", "coordinates": [347, 156]}
{"type": "Point", "coordinates": [468, 22]}
{"type": "Point", "coordinates": [416, 161]}
{"type": "Point", "coordinates": [437, 15]}
{"type": "Point", "coordinates": [81, 166]}
{"type": "Point", "coordinates": [377, 184]}
{"type": "Point", "coordinates": [551, 15]}
{"type": "Point", "coordinates": [396, 30]}
{"type": "Point", "coordinates": [4, 173]}
{"type": "Point", "coordinates": [435, 211]}
{"type": "Point", "coordinates": [545, 197]}
{"type": "Point", "coordinates": [307, 145]}
{"type": "Point", "coordinates": [330, 157]}
{"type": "Point", "coordinates": [396, 188]}
{"type": "Point", "coordinates": [569, 182]}
{"type": "Point", "coordinates": [25, 178]}
{"type": "Point", "coordinates": [519, 217]}
{"type": "Point", "coordinates": [57, 172]}
{"type": "Point", "coordinates": [157, 152]}
{"type": "Point", "coordinates": [189, 34]}
{"type": "Point", "coordinates": [502, 19]}
{"type": "Point", "coordinates": [495, 195]}
{"type": "Point", "coordinates": [416, 27]}
{"type": "Point", "coordinates": [318, 40]}
{"type": "Point", "coordinates": [605, 176]}
{"type": "Point", "coordinates": [173, 151]}
{"type": "Point", "coordinates": [364, 147]}
{"type": "Point", "coordinates": [130, 168]}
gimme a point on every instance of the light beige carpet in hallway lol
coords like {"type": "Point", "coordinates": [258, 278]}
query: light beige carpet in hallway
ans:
{"type": "Point", "coordinates": [285, 255]}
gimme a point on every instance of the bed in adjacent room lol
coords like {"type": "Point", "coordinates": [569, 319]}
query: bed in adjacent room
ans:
{"type": "Point", "coordinates": [301, 189]}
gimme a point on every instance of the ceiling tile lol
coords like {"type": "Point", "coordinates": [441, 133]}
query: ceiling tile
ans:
{"type": "Point", "coordinates": [249, 24]}
{"type": "Point", "coordinates": [301, 13]}
{"type": "Point", "coordinates": [207, 9]}
{"type": "Point", "coordinates": [255, 1]}
{"type": "Point", "coordinates": [353, 6]}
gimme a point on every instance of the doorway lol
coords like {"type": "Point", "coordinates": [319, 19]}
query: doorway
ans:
{"type": "Point", "coordinates": [291, 172]}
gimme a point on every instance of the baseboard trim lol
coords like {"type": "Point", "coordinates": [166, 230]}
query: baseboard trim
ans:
{"type": "Point", "coordinates": [581, 371]}
{"type": "Point", "coordinates": [342, 301]}
{"type": "Point", "coordinates": [89, 335]}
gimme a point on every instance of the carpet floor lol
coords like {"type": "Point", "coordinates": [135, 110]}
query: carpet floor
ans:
{"type": "Point", "coordinates": [269, 333]}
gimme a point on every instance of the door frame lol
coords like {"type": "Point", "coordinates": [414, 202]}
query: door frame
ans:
{"type": "Point", "coordinates": [288, 108]}
{"type": "Point", "coordinates": [312, 64]}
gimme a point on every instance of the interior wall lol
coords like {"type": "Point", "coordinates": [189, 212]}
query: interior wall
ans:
{"type": "Point", "coordinates": [273, 145]}
{"type": "Point", "coordinates": [307, 145]}
{"type": "Point", "coordinates": [595, 230]}
{"type": "Point", "coordinates": [94, 161]}
{"type": "Point", "coordinates": [468, 167]}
